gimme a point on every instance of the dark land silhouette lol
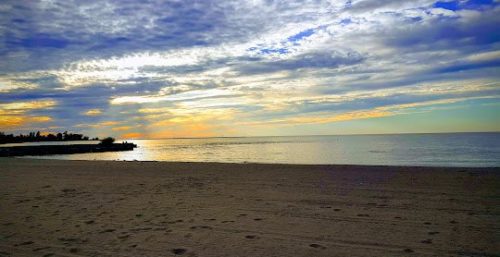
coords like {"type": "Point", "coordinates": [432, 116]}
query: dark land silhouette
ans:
{"type": "Point", "coordinates": [38, 137]}
{"type": "Point", "coordinates": [106, 145]}
{"type": "Point", "coordinates": [64, 149]}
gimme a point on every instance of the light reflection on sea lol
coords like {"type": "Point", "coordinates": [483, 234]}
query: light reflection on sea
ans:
{"type": "Point", "coordinates": [457, 149]}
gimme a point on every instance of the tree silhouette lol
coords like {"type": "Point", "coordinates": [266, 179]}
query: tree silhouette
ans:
{"type": "Point", "coordinates": [107, 141]}
{"type": "Point", "coordinates": [38, 137]}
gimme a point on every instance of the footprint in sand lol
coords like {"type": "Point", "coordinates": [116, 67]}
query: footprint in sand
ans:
{"type": "Point", "coordinates": [25, 243]}
{"type": "Point", "coordinates": [179, 251]}
{"type": "Point", "coordinates": [317, 246]}
{"type": "Point", "coordinates": [107, 231]}
{"type": "Point", "coordinates": [41, 248]}
{"type": "Point", "coordinates": [124, 236]}
{"type": "Point", "coordinates": [62, 239]}
{"type": "Point", "coordinates": [200, 227]}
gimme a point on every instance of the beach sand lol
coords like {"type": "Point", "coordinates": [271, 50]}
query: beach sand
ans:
{"type": "Point", "coordinates": [100, 208]}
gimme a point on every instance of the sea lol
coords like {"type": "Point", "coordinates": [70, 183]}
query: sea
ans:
{"type": "Point", "coordinates": [452, 149]}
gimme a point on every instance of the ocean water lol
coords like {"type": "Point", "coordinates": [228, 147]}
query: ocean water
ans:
{"type": "Point", "coordinates": [454, 149]}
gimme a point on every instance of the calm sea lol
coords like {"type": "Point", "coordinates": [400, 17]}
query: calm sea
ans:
{"type": "Point", "coordinates": [456, 149]}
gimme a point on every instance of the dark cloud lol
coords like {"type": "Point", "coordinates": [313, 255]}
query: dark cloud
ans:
{"type": "Point", "coordinates": [371, 5]}
{"type": "Point", "coordinates": [466, 34]}
{"type": "Point", "coordinates": [317, 60]}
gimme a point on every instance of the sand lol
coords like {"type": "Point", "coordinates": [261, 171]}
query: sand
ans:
{"type": "Point", "coordinates": [99, 208]}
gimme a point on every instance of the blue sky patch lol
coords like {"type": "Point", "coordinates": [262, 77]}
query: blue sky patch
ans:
{"type": "Point", "coordinates": [274, 50]}
{"type": "Point", "coordinates": [299, 36]}
{"type": "Point", "coordinates": [345, 21]}
{"type": "Point", "coordinates": [40, 41]}
{"type": "Point", "coordinates": [459, 5]}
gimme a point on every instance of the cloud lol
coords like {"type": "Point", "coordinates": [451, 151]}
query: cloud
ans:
{"type": "Point", "coordinates": [93, 112]}
{"type": "Point", "coordinates": [467, 31]}
{"type": "Point", "coordinates": [199, 94]}
{"type": "Point", "coordinates": [330, 59]}
{"type": "Point", "coordinates": [378, 112]}
{"type": "Point", "coordinates": [122, 128]}
{"type": "Point", "coordinates": [98, 125]}
{"type": "Point", "coordinates": [386, 5]}
{"type": "Point", "coordinates": [8, 85]}
{"type": "Point", "coordinates": [354, 115]}
{"type": "Point", "coordinates": [22, 107]}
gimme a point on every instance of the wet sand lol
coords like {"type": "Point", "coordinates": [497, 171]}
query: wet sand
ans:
{"type": "Point", "coordinates": [99, 208]}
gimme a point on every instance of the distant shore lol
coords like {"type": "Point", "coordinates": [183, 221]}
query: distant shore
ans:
{"type": "Point", "coordinates": [8, 151]}
{"type": "Point", "coordinates": [116, 208]}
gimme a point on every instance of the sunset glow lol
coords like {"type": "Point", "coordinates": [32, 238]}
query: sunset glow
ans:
{"type": "Point", "coordinates": [249, 68]}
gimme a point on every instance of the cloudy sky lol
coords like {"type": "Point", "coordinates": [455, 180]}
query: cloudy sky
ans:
{"type": "Point", "coordinates": [159, 69]}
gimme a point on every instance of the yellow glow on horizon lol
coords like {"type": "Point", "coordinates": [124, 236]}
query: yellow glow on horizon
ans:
{"type": "Point", "coordinates": [179, 116]}
{"type": "Point", "coordinates": [15, 114]}
{"type": "Point", "coordinates": [132, 135]}
{"type": "Point", "coordinates": [191, 130]}
{"type": "Point", "coordinates": [379, 112]}
{"type": "Point", "coordinates": [7, 121]}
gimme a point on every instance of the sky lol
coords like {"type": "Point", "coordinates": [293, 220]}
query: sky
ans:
{"type": "Point", "coordinates": [163, 69]}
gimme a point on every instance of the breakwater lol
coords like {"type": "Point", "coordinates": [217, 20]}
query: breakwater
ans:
{"type": "Point", "coordinates": [63, 149]}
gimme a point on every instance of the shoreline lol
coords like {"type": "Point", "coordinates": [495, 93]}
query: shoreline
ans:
{"type": "Point", "coordinates": [118, 208]}
{"type": "Point", "coordinates": [497, 168]}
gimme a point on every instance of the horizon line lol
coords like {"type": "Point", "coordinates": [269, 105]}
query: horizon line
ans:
{"type": "Point", "coordinates": [318, 135]}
